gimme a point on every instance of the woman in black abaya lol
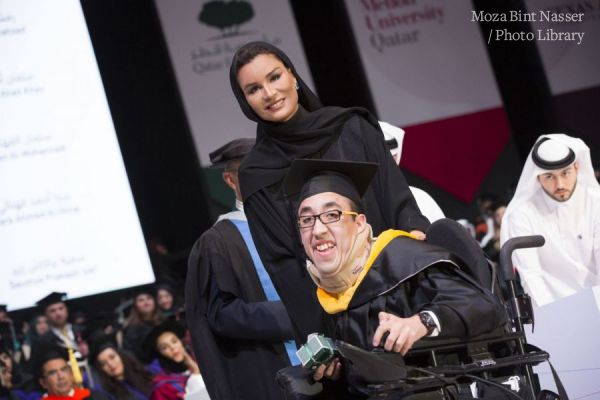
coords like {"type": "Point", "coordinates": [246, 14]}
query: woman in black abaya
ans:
{"type": "Point", "coordinates": [293, 124]}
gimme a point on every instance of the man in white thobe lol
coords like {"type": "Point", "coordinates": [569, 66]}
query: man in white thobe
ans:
{"type": "Point", "coordinates": [557, 197]}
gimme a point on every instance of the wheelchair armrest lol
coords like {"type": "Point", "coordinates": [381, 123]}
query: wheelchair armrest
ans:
{"type": "Point", "coordinates": [500, 334]}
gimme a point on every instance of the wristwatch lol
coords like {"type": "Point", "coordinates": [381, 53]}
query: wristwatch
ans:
{"type": "Point", "coordinates": [428, 321]}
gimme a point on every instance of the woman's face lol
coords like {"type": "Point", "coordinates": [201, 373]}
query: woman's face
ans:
{"type": "Point", "coordinates": [111, 363]}
{"type": "Point", "coordinates": [269, 88]}
{"type": "Point", "coordinates": [164, 299]}
{"type": "Point", "coordinates": [145, 304]}
{"type": "Point", "coordinates": [41, 325]}
{"type": "Point", "coordinates": [6, 361]}
{"type": "Point", "coordinates": [170, 346]}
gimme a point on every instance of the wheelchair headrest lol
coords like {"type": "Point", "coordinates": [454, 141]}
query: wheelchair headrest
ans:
{"type": "Point", "coordinates": [452, 236]}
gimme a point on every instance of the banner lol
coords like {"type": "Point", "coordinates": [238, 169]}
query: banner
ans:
{"type": "Point", "coordinates": [68, 222]}
{"type": "Point", "coordinates": [567, 34]}
{"type": "Point", "coordinates": [429, 73]}
{"type": "Point", "coordinates": [202, 37]}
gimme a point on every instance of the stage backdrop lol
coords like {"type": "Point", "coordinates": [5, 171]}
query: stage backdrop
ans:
{"type": "Point", "coordinates": [570, 52]}
{"type": "Point", "coordinates": [202, 37]}
{"type": "Point", "coordinates": [67, 217]}
{"type": "Point", "coordinates": [429, 73]}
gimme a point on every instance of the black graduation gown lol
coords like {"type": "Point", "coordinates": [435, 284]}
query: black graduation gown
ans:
{"type": "Point", "coordinates": [23, 385]}
{"type": "Point", "coordinates": [409, 276]}
{"type": "Point", "coordinates": [133, 339]}
{"type": "Point", "coordinates": [98, 395]}
{"type": "Point", "coordinates": [50, 338]}
{"type": "Point", "coordinates": [387, 203]}
{"type": "Point", "coordinates": [236, 333]}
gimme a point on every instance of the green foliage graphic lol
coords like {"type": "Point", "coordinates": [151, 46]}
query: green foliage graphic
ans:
{"type": "Point", "coordinates": [226, 15]}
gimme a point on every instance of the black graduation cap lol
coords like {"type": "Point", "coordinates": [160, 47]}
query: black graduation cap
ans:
{"type": "Point", "coordinates": [167, 326]}
{"type": "Point", "coordinates": [166, 285]}
{"type": "Point", "coordinates": [551, 154]}
{"type": "Point", "coordinates": [100, 342]}
{"type": "Point", "coordinates": [308, 177]}
{"type": "Point", "coordinates": [43, 352]}
{"type": "Point", "coordinates": [234, 150]}
{"type": "Point", "coordinates": [52, 298]}
{"type": "Point", "coordinates": [146, 289]}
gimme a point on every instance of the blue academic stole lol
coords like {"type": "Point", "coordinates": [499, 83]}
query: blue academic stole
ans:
{"type": "Point", "coordinates": [265, 280]}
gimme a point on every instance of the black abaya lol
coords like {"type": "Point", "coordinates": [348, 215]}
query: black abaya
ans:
{"type": "Point", "coordinates": [273, 223]}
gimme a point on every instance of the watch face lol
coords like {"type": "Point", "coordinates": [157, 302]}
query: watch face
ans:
{"type": "Point", "coordinates": [427, 320]}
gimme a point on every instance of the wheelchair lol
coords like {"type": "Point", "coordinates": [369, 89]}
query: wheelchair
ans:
{"type": "Point", "coordinates": [497, 365]}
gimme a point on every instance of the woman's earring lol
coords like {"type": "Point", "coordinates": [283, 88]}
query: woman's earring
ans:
{"type": "Point", "coordinates": [297, 86]}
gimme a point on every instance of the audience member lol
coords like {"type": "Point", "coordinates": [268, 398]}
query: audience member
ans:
{"type": "Point", "coordinates": [56, 376]}
{"type": "Point", "coordinates": [38, 326]}
{"type": "Point", "coordinates": [238, 324]}
{"type": "Point", "coordinates": [143, 317]}
{"type": "Point", "coordinates": [7, 329]}
{"type": "Point", "coordinates": [61, 332]}
{"type": "Point", "coordinates": [180, 375]}
{"type": "Point", "coordinates": [166, 298]}
{"type": "Point", "coordinates": [557, 197]}
{"type": "Point", "coordinates": [15, 384]}
{"type": "Point", "coordinates": [492, 248]}
{"type": "Point", "coordinates": [484, 221]}
{"type": "Point", "coordinates": [121, 375]}
{"type": "Point", "coordinates": [4, 317]}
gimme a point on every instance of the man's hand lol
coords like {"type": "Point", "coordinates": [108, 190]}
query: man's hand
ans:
{"type": "Point", "coordinates": [403, 332]}
{"type": "Point", "coordinates": [418, 234]}
{"type": "Point", "coordinates": [331, 370]}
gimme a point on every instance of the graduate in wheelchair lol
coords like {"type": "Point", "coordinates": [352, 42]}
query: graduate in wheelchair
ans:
{"type": "Point", "coordinates": [413, 319]}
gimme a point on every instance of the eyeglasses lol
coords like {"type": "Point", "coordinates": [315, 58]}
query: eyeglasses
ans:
{"type": "Point", "coordinates": [54, 373]}
{"type": "Point", "coordinates": [327, 217]}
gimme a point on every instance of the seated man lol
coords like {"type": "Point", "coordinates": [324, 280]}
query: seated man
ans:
{"type": "Point", "coordinates": [392, 285]}
{"type": "Point", "coordinates": [557, 197]}
{"type": "Point", "coordinates": [56, 376]}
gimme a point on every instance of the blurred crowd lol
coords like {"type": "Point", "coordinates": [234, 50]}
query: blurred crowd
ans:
{"type": "Point", "coordinates": [139, 351]}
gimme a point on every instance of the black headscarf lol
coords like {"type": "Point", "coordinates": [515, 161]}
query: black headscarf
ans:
{"type": "Point", "coordinates": [308, 134]}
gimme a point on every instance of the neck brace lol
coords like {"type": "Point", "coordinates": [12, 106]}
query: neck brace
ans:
{"type": "Point", "coordinates": [349, 267]}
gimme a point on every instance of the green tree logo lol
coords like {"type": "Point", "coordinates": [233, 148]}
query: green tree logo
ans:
{"type": "Point", "coordinates": [226, 15]}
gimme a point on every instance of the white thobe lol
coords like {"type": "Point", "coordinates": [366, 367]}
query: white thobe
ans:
{"type": "Point", "coordinates": [570, 259]}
